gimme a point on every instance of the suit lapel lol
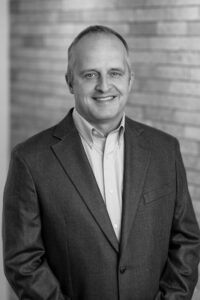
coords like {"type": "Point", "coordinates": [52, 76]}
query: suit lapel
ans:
{"type": "Point", "coordinates": [71, 155]}
{"type": "Point", "coordinates": [137, 156]}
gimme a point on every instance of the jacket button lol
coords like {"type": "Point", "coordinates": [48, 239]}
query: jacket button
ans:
{"type": "Point", "coordinates": [122, 269]}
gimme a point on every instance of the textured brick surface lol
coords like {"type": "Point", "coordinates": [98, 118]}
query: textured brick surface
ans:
{"type": "Point", "coordinates": [152, 3]}
{"type": "Point", "coordinates": [164, 38]}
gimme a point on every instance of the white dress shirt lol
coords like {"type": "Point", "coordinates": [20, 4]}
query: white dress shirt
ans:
{"type": "Point", "coordinates": [106, 157]}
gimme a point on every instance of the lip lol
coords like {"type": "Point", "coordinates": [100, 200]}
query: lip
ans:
{"type": "Point", "coordinates": [104, 98]}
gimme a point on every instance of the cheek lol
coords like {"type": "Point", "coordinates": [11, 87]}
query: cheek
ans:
{"type": "Point", "coordinates": [123, 85]}
{"type": "Point", "coordinates": [124, 89]}
{"type": "Point", "coordinates": [84, 86]}
{"type": "Point", "coordinates": [85, 90]}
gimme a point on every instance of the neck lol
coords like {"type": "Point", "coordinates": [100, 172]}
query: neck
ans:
{"type": "Point", "coordinates": [104, 126]}
{"type": "Point", "coordinates": [105, 129]}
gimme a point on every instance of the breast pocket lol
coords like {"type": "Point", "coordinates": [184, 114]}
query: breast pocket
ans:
{"type": "Point", "coordinates": [158, 193]}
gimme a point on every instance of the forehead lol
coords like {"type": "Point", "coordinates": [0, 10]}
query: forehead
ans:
{"type": "Point", "coordinates": [99, 49]}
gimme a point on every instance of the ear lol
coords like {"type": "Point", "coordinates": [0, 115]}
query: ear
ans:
{"type": "Point", "coordinates": [131, 80]}
{"type": "Point", "coordinates": [69, 83]}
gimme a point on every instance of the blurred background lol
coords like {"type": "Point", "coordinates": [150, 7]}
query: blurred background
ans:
{"type": "Point", "coordinates": [164, 40]}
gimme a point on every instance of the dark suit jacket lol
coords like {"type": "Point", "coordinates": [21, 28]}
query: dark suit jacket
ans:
{"type": "Point", "coordinates": [58, 239]}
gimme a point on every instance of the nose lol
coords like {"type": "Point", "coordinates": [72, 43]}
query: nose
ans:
{"type": "Point", "coordinates": [103, 84]}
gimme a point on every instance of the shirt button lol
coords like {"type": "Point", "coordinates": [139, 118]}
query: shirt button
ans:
{"type": "Point", "coordinates": [122, 269]}
{"type": "Point", "coordinates": [115, 226]}
{"type": "Point", "coordinates": [111, 191]}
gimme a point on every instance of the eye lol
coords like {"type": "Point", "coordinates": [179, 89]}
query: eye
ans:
{"type": "Point", "coordinates": [91, 75]}
{"type": "Point", "coordinates": [115, 74]}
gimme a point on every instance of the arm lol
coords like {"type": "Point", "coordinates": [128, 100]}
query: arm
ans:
{"type": "Point", "coordinates": [181, 272]}
{"type": "Point", "coordinates": [25, 264]}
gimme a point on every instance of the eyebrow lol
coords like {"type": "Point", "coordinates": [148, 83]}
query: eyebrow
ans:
{"type": "Point", "coordinates": [88, 70]}
{"type": "Point", "coordinates": [117, 69]}
{"type": "Point", "coordinates": [96, 70]}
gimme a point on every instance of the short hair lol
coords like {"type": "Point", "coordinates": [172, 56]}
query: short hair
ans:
{"type": "Point", "coordinates": [95, 29]}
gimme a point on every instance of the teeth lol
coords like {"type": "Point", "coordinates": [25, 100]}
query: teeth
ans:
{"type": "Point", "coordinates": [105, 98]}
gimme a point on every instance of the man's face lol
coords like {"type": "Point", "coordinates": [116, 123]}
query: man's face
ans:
{"type": "Point", "coordinates": [101, 80]}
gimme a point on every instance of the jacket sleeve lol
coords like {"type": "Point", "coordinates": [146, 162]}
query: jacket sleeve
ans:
{"type": "Point", "coordinates": [181, 271]}
{"type": "Point", "coordinates": [25, 263]}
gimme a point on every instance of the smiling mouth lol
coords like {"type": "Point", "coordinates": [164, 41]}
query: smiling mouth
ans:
{"type": "Point", "coordinates": [104, 99]}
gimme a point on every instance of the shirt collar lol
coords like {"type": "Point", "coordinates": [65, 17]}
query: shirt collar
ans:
{"type": "Point", "coordinates": [87, 130]}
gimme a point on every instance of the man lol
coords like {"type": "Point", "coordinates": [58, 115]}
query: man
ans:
{"type": "Point", "coordinates": [97, 207]}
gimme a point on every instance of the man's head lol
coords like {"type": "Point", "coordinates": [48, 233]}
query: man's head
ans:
{"type": "Point", "coordinates": [99, 75]}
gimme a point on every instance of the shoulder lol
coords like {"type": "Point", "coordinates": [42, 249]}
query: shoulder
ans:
{"type": "Point", "coordinates": [35, 143]}
{"type": "Point", "coordinates": [155, 137]}
{"type": "Point", "coordinates": [34, 150]}
{"type": "Point", "coordinates": [41, 143]}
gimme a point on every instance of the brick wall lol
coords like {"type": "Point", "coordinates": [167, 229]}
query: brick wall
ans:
{"type": "Point", "coordinates": [164, 37]}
